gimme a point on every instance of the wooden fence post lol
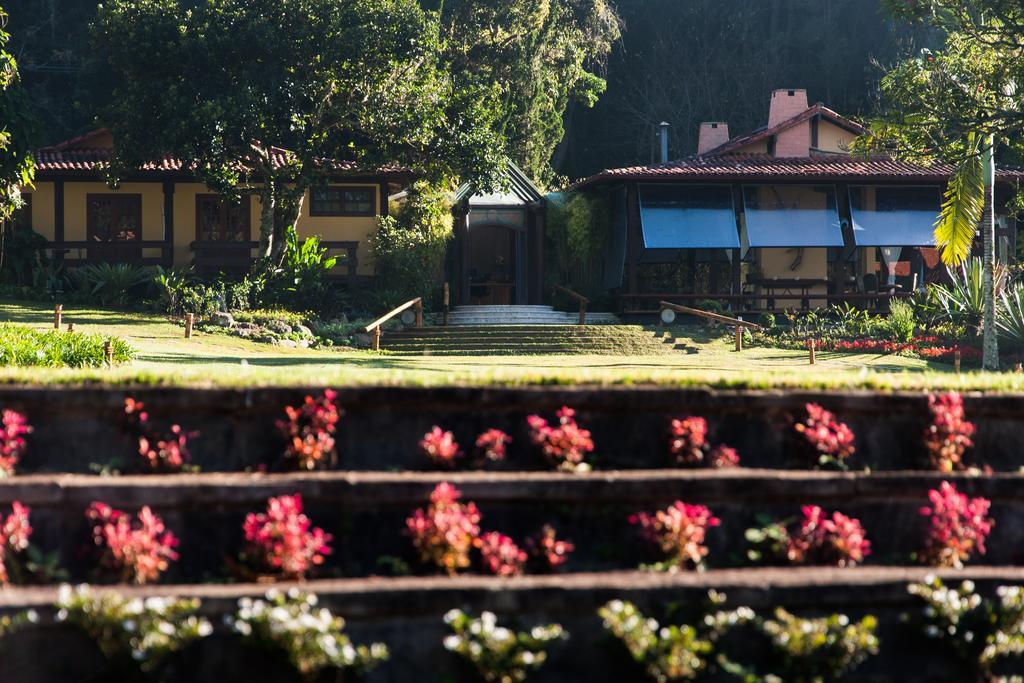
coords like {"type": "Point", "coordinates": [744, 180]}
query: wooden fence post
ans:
{"type": "Point", "coordinates": [812, 351]}
{"type": "Point", "coordinates": [375, 344]}
{"type": "Point", "coordinates": [419, 314]}
{"type": "Point", "coordinates": [58, 310]}
{"type": "Point", "coordinates": [583, 313]}
{"type": "Point", "coordinates": [71, 327]}
{"type": "Point", "coordinates": [445, 305]}
{"type": "Point", "coordinates": [956, 359]}
{"type": "Point", "coordinates": [739, 334]}
{"type": "Point", "coordinates": [189, 321]}
{"type": "Point", "coordinates": [108, 353]}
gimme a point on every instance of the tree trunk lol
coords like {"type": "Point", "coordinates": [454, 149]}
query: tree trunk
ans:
{"type": "Point", "coordinates": [267, 211]}
{"type": "Point", "coordinates": [286, 215]}
{"type": "Point", "coordinates": [990, 339]}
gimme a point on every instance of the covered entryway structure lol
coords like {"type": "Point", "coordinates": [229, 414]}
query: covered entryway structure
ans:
{"type": "Point", "coordinates": [497, 255]}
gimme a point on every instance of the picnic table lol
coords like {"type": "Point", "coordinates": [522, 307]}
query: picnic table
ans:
{"type": "Point", "coordinates": [774, 287]}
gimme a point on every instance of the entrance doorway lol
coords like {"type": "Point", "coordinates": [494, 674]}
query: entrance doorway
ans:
{"type": "Point", "coordinates": [494, 265]}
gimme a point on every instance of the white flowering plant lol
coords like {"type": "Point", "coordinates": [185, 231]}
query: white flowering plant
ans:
{"type": "Point", "coordinates": [499, 654]}
{"type": "Point", "coordinates": [815, 650]}
{"type": "Point", "coordinates": [977, 631]}
{"type": "Point", "coordinates": [9, 623]}
{"type": "Point", "coordinates": [312, 637]}
{"type": "Point", "coordinates": [672, 652]}
{"type": "Point", "coordinates": [145, 630]}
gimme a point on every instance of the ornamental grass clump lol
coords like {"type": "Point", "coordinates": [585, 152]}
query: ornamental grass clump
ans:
{"type": "Point", "coordinates": [948, 435]}
{"type": "Point", "coordinates": [546, 552]}
{"type": "Point", "coordinates": [136, 630]}
{"type": "Point", "coordinates": [12, 441]}
{"type": "Point", "coordinates": [500, 555]}
{"type": "Point", "coordinates": [677, 533]}
{"type": "Point", "coordinates": [566, 445]}
{"type": "Point", "coordinates": [312, 638]}
{"type": "Point", "coordinates": [15, 531]}
{"type": "Point", "coordinates": [689, 445]}
{"type": "Point", "coordinates": [831, 441]}
{"type": "Point", "coordinates": [24, 347]}
{"type": "Point", "coordinates": [499, 654]}
{"type": "Point", "coordinates": [444, 533]}
{"type": "Point", "coordinates": [282, 542]}
{"type": "Point", "coordinates": [159, 453]}
{"type": "Point", "coordinates": [819, 649]}
{"type": "Point", "coordinates": [957, 527]}
{"type": "Point", "coordinates": [135, 550]}
{"type": "Point", "coordinates": [820, 539]}
{"type": "Point", "coordinates": [440, 448]}
{"type": "Point", "coordinates": [309, 431]}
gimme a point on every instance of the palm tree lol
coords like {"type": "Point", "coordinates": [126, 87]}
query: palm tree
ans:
{"type": "Point", "coordinates": [971, 190]}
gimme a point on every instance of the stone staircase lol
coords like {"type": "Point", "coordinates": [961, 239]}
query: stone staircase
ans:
{"type": "Point", "coordinates": [380, 478]}
{"type": "Point", "coordinates": [522, 315]}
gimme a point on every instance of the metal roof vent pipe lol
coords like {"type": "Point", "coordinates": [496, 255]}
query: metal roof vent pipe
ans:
{"type": "Point", "coordinates": [663, 137]}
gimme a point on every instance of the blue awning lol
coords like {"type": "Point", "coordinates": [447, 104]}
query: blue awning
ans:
{"type": "Point", "coordinates": [688, 217]}
{"type": "Point", "coordinates": [792, 216]}
{"type": "Point", "coordinates": [895, 216]}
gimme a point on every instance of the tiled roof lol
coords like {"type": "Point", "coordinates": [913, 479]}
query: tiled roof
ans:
{"type": "Point", "coordinates": [825, 167]}
{"type": "Point", "coordinates": [818, 109]}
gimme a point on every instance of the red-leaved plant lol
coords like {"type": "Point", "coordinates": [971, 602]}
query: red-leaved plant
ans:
{"type": "Point", "coordinates": [677, 532]}
{"type": "Point", "coordinates": [837, 540]}
{"type": "Point", "coordinates": [309, 431]}
{"type": "Point", "coordinates": [500, 555]}
{"type": "Point", "coordinates": [136, 551]}
{"type": "Point", "coordinates": [282, 541]}
{"type": "Point", "coordinates": [957, 528]}
{"type": "Point", "coordinates": [689, 446]}
{"type": "Point", "coordinates": [546, 552]}
{"type": "Point", "coordinates": [948, 435]}
{"type": "Point", "coordinates": [15, 531]}
{"type": "Point", "coordinates": [490, 446]}
{"type": "Point", "coordinates": [12, 441]}
{"type": "Point", "coordinates": [565, 445]}
{"type": "Point", "coordinates": [445, 532]}
{"type": "Point", "coordinates": [165, 453]}
{"type": "Point", "coordinates": [440, 448]}
{"type": "Point", "coordinates": [831, 440]}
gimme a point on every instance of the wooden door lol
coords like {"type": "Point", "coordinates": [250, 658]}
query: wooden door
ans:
{"type": "Point", "coordinates": [114, 219]}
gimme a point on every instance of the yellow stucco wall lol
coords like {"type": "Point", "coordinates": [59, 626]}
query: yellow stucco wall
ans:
{"type": "Point", "coordinates": [776, 262]}
{"type": "Point", "coordinates": [330, 228]}
{"type": "Point", "coordinates": [760, 147]}
{"type": "Point", "coordinates": [832, 138]}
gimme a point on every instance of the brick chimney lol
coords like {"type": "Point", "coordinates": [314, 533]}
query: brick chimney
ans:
{"type": "Point", "coordinates": [795, 141]}
{"type": "Point", "coordinates": [712, 134]}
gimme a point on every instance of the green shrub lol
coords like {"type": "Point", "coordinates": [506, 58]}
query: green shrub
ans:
{"type": "Point", "coordinates": [23, 254]}
{"type": "Point", "coordinates": [822, 649]}
{"type": "Point", "coordinates": [301, 281]}
{"type": "Point", "coordinates": [901, 322]}
{"type": "Point", "coordinates": [767, 321]}
{"type": "Point", "coordinates": [112, 283]}
{"type": "Point", "coordinates": [24, 347]}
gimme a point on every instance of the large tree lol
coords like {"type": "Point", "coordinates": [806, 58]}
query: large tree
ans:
{"type": "Point", "coordinates": [958, 105]}
{"type": "Point", "coordinates": [16, 125]}
{"type": "Point", "coordinates": [228, 84]}
{"type": "Point", "coordinates": [537, 57]}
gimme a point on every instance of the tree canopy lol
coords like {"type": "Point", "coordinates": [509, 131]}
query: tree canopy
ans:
{"type": "Point", "coordinates": [16, 128]}
{"type": "Point", "coordinates": [230, 83]}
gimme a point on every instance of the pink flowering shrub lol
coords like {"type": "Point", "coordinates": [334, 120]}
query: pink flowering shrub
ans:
{"type": "Point", "coordinates": [445, 532]}
{"type": "Point", "coordinates": [565, 445]}
{"type": "Point", "coordinates": [309, 431]}
{"type": "Point", "coordinates": [490, 446]}
{"type": "Point", "coordinates": [282, 541]}
{"type": "Point", "coordinates": [137, 551]}
{"type": "Point", "coordinates": [159, 452]}
{"type": "Point", "coordinates": [958, 527]}
{"type": "Point", "coordinates": [831, 440]}
{"type": "Point", "coordinates": [948, 435]}
{"type": "Point", "coordinates": [837, 540]}
{"type": "Point", "coordinates": [12, 441]}
{"type": "Point", "coordinates": [546, 552]}
{"type": "Point", "coordinates": [500, 555]}
{"type": "Point", "coordinates": [15, 531]}
{"type": "Point", "coordinates": [678, 532]}
{"type": "Point", "coordinates": [689, 446]}
{"type": "Point", "coordinates": [440, 448]}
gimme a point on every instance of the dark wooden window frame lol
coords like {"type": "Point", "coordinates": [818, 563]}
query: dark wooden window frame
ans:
{"type": "Point", "coordinates": [136, 197]}
{"type": "Point", "coordinates": [341, 189]}
{"type": "Point", "coordinates": [244, 206]}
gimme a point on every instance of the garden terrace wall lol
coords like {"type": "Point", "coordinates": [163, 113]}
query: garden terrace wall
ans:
{"type": "Point", "coordinates": [406, 613]}
{"type": "Point", "coordinates": [76, 427]}
{"type": "Point", "coordinates": [366, 512]}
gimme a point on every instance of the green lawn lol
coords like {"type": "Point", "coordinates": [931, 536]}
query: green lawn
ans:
{"type": "Point", "coordinates": [165, 357]}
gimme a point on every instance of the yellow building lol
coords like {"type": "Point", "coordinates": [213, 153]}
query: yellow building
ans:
{"type": "Point", "coordinates": [162, 215]}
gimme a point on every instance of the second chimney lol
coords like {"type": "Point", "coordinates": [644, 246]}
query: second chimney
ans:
{"type": "Point", "coordinates": [712, 134]}
{"type": "Point", "coordinates": [785, 105]}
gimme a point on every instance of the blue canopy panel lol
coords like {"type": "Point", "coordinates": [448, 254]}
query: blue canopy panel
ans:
{"type": "Point", "coordinates": [615, 255]}
{"type": "Point", "coordinates": [894, 216]}
{"type": "Point", "coordinates": [792, 216]}
{"type": "Point", "coordinates": [688, 217]}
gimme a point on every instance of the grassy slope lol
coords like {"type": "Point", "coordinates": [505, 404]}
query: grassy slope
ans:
{"type": "Point", "coordinates": [165, 357]}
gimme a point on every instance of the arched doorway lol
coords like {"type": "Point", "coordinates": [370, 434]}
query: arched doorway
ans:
{"type": "Point", "coordinates": [495, 260]}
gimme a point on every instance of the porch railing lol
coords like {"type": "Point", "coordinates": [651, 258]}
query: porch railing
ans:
{"type": "Point", "coordinates": [213, 257]}
{"type": "Point", "coordinates": [583, 301]}
{"type": "Point", "coordinates": [82, 252]}
{"type": "Point", "coordinates": [649, 303]}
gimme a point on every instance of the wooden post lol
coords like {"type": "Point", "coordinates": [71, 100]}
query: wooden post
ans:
{"type": "Point", "coordinates": [108, 353]}
{"type": "Point", "coordinates": [739, 338]}
{"type": "Point", "coordinates": [444, 308]}
{"type": "Point", "coordinates": [375, 344]}
{"type": "Point", "coordinates": [812, 352]}
{"type": "Point", "coordinates": [71, 327]}
{"type": "Point", "coordinates": [583, 313]}
{"type": "Point", "coordinates": [419, 314]}
{"type": "Point", "coordinates": [956, 359]}
{"type": "Point", "coordinates": [58, 310]}
{"type": "Point", "coordinates": [1018, 369]}
{"type": "Point", "coordinates": [190, 319]}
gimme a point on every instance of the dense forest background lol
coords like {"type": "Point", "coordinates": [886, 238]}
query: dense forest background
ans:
{"type": "Point", "coordinates": [681, 61]}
